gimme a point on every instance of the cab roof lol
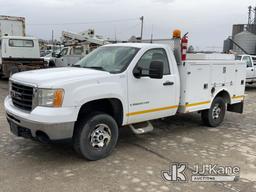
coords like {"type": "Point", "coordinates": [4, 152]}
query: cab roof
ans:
{"type": "Point", "coordinates": [139, 45]}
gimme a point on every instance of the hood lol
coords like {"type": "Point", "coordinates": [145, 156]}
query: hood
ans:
{"type": "Point", "coordinates": [54, 76]}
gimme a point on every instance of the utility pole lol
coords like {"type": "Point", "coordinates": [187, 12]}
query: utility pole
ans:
{"type": "Point", "coordinates": [115, 35]}
{"type": "Point", "coordinates": [250, 14]}
{"type": "Point", "coordinates": [254, 15]}
{"type": "Point", "coordinates": [53, 46]}
{"type": "Point", "coordinates": [142, 23]}
{"type": "Point", "coordinates": [151, 40]}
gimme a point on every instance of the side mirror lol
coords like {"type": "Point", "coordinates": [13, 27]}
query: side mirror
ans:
{"type": "Point", "coordinates": [137, 72]}
{"type": "Point", "coordinates": [156, 70]}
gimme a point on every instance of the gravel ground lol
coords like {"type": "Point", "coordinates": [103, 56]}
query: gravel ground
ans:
{"type": "Point", "coordinates": [137, 162]}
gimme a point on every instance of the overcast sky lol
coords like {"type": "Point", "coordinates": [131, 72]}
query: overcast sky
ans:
{"type": "Point", "coordinates": [208, 22]}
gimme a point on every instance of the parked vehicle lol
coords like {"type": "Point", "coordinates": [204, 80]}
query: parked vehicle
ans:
{"type": "Point", "coordinates": [250, 61]}
{"type": "Point", "coordinates": [122, 85]}
{"type": "Point", "coordinates": [68, 56]}
{"type": "Point", "coordinates": [77, 45]}
{"type": "Point", "coordinates": [17, 52]}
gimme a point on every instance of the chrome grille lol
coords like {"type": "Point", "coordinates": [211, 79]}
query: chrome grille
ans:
{"type": "Point", "coordinates": [22, 96]}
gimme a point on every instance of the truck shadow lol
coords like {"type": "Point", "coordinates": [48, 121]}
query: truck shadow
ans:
{"type": "Point", "coordinates": [63, 153]}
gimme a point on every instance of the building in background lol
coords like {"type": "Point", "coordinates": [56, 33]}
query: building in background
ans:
{"type": "Point", "coordinates": [243, 39]}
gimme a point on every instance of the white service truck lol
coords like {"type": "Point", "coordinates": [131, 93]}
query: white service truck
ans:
{"type": "Point", "coordinates": [17, 52]}
{"type": "Point", "coordinates": [121, 85]}
{"type": "Point", "coordinates": [250, 61]}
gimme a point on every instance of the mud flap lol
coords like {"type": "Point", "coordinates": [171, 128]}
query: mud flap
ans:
{"type": "Point", "coordinates": [236, 108]}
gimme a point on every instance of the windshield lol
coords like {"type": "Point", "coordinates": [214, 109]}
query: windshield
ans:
{"type": "Point", "coordinates": [113, 59]}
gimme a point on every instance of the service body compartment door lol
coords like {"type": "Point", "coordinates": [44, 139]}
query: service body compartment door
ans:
{"type": "Point", "coordinates": [198, 87]}
{"type": "Point", "coordinates": [152, 98]}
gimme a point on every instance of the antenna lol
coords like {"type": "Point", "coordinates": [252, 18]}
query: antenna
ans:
{"type": "Point", "coordinates": [152, 31]}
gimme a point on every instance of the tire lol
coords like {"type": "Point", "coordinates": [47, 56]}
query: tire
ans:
{"type": "Point", "coordinates": [51, 64]}
{"type": "Point", "coordinates": [214, 116]}
{"type": "Point", "coordinates": [96, 136]}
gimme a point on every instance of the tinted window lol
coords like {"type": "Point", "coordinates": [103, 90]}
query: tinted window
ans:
{"type": "Point", "coordinates": [21, 43]}
{"type": "Point", "coordinates": [254, 60]}
{"type": "Point", "coordinates": [247, 60]}
{"type": "Point", "coordinates": [153, 55]}
{"type": "Point", "coordinates": [63, 52]}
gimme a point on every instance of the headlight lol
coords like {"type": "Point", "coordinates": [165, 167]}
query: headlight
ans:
{"type": "Point", "coordinates": [50, 97]}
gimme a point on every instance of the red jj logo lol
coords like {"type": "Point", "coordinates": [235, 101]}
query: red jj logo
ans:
{"type": "Point", "coordinates": [175, 173]}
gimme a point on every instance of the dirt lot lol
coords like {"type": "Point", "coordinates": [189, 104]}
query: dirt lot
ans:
{"type": "Point", "coordinates": [137, 162]}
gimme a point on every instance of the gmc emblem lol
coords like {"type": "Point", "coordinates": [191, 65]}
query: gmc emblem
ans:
{"type": "Point", "coordinates": [16, 95]}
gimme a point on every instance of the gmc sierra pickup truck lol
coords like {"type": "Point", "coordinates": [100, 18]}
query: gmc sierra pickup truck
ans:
{"type": "Point", "coordinates": [121, 85]}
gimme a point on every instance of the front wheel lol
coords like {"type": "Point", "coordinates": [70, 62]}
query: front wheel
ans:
{"type": "Point", "coordinates": [214, 116]}
{"type": "Point", "coordinates": [96, 136]}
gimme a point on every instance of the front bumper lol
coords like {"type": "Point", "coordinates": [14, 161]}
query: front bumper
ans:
{"type": "Point", "coordinates": [57, 124]}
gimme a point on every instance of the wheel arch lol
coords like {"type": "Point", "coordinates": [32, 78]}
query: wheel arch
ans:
{"type": "Point", "coordinates": [110, 106]}
{"type": "Point", "coordinates": [225, 95]}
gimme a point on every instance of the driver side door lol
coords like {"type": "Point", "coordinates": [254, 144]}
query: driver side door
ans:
{"type": "Point", "coordinates": [152, 98]}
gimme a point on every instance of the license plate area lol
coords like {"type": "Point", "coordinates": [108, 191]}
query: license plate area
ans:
{"type": "Point", "coordinates": [14, 128]}
{"type": "Point", "coordinates": [20, 131]}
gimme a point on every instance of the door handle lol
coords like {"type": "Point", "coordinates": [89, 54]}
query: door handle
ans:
{"type": "Point", "coordinates": [252, 70]}
{"type": "Point", "coordinates": [168, 83]}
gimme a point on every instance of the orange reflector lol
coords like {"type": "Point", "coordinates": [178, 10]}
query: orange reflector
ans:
{"type": "Point", "coordinates": [58, 98]}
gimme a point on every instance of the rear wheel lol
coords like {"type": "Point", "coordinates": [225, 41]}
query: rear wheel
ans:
{"type": "Point", "coordinates": [214, 116]}
{"type": "Point", "coordinates": [52, 64]}
{"type": "Point", "coordinates": [96, 136]}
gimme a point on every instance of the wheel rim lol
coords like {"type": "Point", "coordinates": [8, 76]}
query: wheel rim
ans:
{"type": "Point", "coordinates": [100, 136]}
{"type": "Point", "coordinates": [216, 112]}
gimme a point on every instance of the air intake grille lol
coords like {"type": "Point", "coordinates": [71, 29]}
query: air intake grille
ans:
{"type": "Point", "coordinates": [22, 96]}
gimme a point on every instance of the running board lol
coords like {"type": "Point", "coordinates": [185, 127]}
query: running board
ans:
{"type": "Point", "coordinates": [141, 128]}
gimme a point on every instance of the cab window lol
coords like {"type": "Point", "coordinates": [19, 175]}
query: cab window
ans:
{"type": "Point", "coordinates": [78, 50]}
{"type": "Point", "coordinates": [153, 55]}
{"type": "Point", "coordinates": [63, 52]}
{"type": "Point", "coordinates": [21, 43]}
{"type": "Point", "coordinates": [248, 61]}
{"type": "Point", "coordinates": [254, 60]}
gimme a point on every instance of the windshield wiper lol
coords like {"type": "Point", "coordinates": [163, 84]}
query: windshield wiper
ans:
{"type": "Point", "coordinates": [76, 65]}
{"type": "Point", "coordinates": [96, 67]}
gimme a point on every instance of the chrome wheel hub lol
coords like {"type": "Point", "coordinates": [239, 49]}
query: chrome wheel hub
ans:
{"type": "Point", "coordinates": [100, 136]}
{"type": "Point", "coordinates": [216, 112]}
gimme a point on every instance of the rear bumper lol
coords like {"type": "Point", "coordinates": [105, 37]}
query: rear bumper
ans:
{"type": "Point", "coordinates": [14, 65]}
{"type": "Point", "coordinates": [57, 125]}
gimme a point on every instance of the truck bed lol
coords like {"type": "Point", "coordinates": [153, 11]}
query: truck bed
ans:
{"type": "Point", "coordinates": [202, 77]}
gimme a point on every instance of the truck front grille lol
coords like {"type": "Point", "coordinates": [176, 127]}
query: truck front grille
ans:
{"type": "Point", "coordinates": [22, 96]}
